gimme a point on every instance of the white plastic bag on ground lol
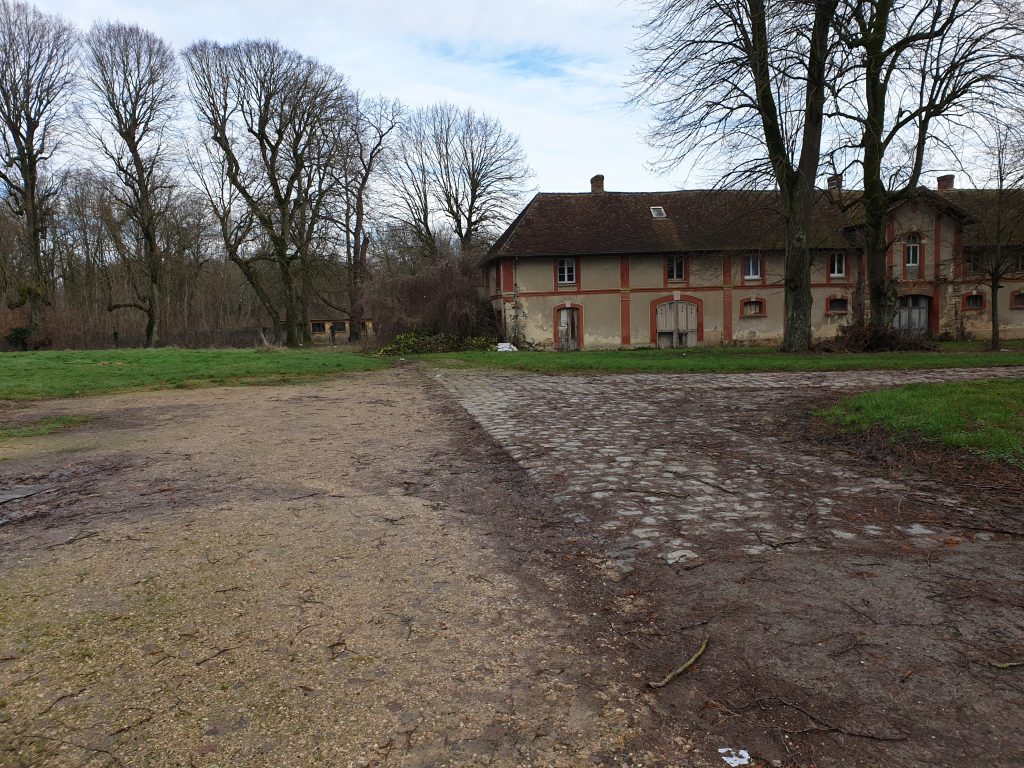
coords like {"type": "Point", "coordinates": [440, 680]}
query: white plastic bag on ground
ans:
{"type": "Point", "coordinates": [506, 347]}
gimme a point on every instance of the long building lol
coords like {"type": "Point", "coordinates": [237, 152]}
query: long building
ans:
{"type": "Point", "coordinates": [690, 268]}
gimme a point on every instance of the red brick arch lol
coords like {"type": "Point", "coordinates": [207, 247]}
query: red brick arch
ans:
{"type": "Point", "coordinates": [682, 297]}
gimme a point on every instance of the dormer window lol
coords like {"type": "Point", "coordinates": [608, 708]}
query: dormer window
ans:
{"type": "Point", "coordinates": [658, 212]}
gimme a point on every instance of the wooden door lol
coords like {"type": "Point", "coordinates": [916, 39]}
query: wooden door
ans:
{"type": "Point", "coordinates": [913, 314]}
{"type": "Point", "coordinates": [568, 329]}
{"type": "Point", "coordinates": [677, 324]}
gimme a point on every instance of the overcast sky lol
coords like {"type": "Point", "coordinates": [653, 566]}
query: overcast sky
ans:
{"type": "Point", "coordinates": [551, 70]}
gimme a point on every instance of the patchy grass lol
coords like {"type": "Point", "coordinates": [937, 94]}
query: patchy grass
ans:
{"type": "Point", "coordinates": [40, 427]}
{"type": "Point", "coordinates": [729, 360]}
{"type": "Point", "coordinates": [36, 375]}
{"type": "Point", "coordinates": [986, 417]}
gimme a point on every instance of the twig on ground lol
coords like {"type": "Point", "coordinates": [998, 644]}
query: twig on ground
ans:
{"type": "Point", "coordinates": [679, 670]}
{"type": "Point", "coordinates": [827, 726]}
{"type": "Point", "coordinates": [776, 544]}
{"type": "Point", "coordinates": [1006, 664]}
{"type": "Point", "coordinates": [85, 747]}
{"type": "Point", "coordinates": [73, 539]}
{"type": "Point", "coordinates": [219, 653]}
{"type": "Point", "coordinates": [59, 699]}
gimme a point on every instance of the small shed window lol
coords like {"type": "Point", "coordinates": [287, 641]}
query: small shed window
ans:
{"type": "Point", "coordinates": [753, 308]}
{"type": "Point", "coordinates": [658, 212]}
{"type": "Point", "coordinates": [318, 328]}
{"type": "Point", "coordinates": [676, 268]}
{"type": "Point", "coordinates": [838, 306]}
{"type": "Point", "coordinates": [974, 301]}
{"type": "Point", "coordinates": [566, 271]}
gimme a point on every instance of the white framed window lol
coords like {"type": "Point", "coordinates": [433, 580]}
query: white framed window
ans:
{"type": "Point", "coordinates": [837, 265]}
{"type": "Point", "coordinates": [658, 212]}
{"type": "Point", "coordinates": [676, 268]}
{"type": "Point", "coordinates": [912, 250]}
{"type": "Point", "coordinates": [752, 267]}
{"type": "Point", "coordinates": [566, 271]}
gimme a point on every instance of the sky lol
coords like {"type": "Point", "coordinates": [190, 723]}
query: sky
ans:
{"type": "Point", "coordinates": [552, 71]}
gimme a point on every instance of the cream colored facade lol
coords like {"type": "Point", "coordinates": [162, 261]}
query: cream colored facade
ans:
{"type": "Point", "coordinates": [614, 298]}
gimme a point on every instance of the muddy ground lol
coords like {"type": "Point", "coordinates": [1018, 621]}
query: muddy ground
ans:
{"type": "Point", "coordinates": [354, 573]}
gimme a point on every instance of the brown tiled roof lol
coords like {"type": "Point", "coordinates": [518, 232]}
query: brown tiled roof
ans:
{"type": "Point", "coordinates": [695, 220]}
{"type": "Point", "coordinates": [994, 215]}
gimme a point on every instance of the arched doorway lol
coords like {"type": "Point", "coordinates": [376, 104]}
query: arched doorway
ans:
{"type": "Point", "coordinates": [567, 328]}
{"type": "Point", "coordinates": [677, 324]}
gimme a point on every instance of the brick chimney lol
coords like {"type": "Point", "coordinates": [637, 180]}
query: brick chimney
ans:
{"type": "Point", "coordinates": [946, 182]}
{"type": "Point", "coordinates": [597, 183]}
{"type": "Point", "coordinates": [835, 182]}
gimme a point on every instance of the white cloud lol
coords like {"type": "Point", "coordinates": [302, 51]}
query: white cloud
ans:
{"type": "Point", "coordinates": [552, 72]}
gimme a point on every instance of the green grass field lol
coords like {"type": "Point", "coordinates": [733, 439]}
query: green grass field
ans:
{"type": "Point", "coordinates": [36, 375]}
{"type": "Point", "coordinates": [982, 416]}
{"type": "Point", "coordinates": [40, 427]}
{"type": "Point", "coordinates": [728, 360]}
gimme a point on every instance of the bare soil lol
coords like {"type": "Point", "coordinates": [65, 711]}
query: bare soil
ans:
{"type": "Point", "coordinates": [353, 573]}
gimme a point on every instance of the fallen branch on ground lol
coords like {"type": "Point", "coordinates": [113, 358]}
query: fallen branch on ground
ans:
{"type": "Point", "coordinates": [221, 652]}
{"type": "Point", "coordinates": [1006, 664]}
{"type": "Point", "coordinates": [59, 699]}
{"type": "Point", "coordinates": [678, 671]}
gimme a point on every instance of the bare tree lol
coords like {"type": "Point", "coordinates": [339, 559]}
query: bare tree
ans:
{"type": "Point", "coordinates": [37, 74]}
{"type": "Point", "coordinates": [461, 168]}
{"type": "Point", "coordinates": [236, 224]}
{"type": "Point", "coordinates": [410, 176]}
{"type": "Point", "coordinates": [134, 76]}
{"type": "Point", "coordinates": [750, 75]}
{"type": "Point", "coordinates": [997, 232]}
{"type": "Point", "coordinates": [271, 112]}
{"type": "Point", "coordinates": [372, 123]}
{"type": "Point", "coordinates": [916, 74]}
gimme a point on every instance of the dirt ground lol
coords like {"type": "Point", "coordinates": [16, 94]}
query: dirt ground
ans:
{"type": "Point", "coordinates": [355, 573]}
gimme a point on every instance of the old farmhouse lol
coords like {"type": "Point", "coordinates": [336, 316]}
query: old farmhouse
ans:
{"type": "Point", "coordinates": [688, 268]}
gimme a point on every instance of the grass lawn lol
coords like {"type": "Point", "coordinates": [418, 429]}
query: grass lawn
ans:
{"type": "Point", "coordinates": [729, 359]}
{"type": "Point", "coordinates": [982, 416]}
{"type": "Point", "coordinates": [40, 427]}
{"type": "Point", "coordinates": [35, 375]}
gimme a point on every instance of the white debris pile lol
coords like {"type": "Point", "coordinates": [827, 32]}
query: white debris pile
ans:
{"type": "Point", "coordinates": [506, 347]}
{"type": "Point", "coordinates": [735, 757]}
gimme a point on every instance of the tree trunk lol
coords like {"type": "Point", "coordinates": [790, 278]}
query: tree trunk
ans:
{"type": "Point", "coordinates": [153, 308]}
{"type": "Point", "coordinates": [292, 333]}
{"type": "Point", "coordinates": [797, 333]}
{"type": "Point", "coordinates": [994, 344]}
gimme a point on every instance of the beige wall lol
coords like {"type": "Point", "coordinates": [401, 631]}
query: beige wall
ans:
{"type": "Point", "coordinates": [598, 291]}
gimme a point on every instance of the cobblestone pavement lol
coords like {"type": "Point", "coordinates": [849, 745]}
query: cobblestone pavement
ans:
{"type": "Point", "coordinates": [677, 466]}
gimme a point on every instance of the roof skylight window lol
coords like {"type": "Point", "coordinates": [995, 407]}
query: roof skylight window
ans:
{"type": "Point", "coordinates": [658, 212]}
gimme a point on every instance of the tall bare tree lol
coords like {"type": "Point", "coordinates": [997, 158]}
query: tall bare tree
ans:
{"type": "Point", "coordinates": [460, 168]}
{"type": "Point", "coordinates": [368, 137]}
{"type": "Point", "coordinates": [236, 224]}
{"type": "Point", "coordinates": [916, 74]}
{"type": "Point", "coordinates": [38, 63]}
{"type": "Point", "coordinates": [133, 76]}
{"type": "Point", "coordinates": [750, 75]}
{"type": "Point", "coordinates": [997, 234]}
{"type": "Point", "coordinates": [269, 111]}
